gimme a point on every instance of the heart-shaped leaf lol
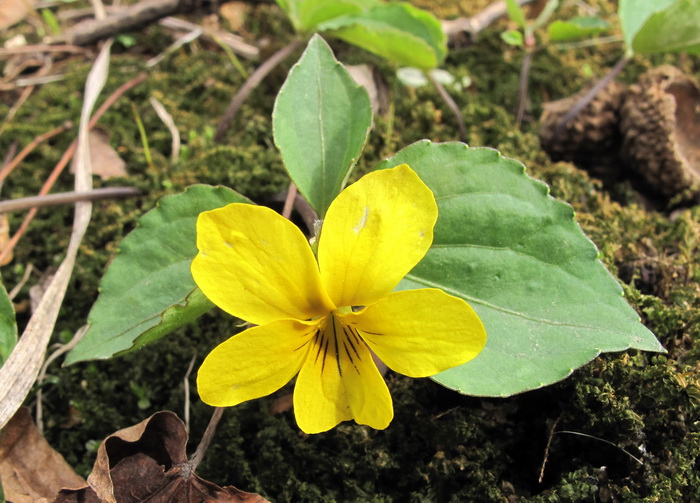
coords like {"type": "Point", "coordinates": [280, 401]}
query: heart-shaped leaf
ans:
{"type": "Point", "coordinates": [522, 262]}
{"type": "Point", "coordinates": [320, 123]}
{"type": "Point", "coordinates": [148, 290]}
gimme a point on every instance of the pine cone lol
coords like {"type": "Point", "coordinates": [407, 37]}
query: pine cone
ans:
{"type": "Point", "coordinates": [660, 123]}
{"type": "Point", "coordinates": [592, 139]}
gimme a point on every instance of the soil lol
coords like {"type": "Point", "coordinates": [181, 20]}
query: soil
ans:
{"type": "Point", "coordinates": [627, 425]}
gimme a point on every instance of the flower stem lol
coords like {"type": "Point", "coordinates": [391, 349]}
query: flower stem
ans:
{"type": "Point", "coordinates": [201, 450]}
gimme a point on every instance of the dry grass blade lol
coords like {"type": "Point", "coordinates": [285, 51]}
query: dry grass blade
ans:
{"type": "Point", "coordinates": [170, 124]}
{"type": "Point", "coordinates": [20, 371]}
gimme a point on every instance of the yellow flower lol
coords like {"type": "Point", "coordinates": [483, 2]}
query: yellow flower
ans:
{"type": "Point", "coordinates": [323, 319]}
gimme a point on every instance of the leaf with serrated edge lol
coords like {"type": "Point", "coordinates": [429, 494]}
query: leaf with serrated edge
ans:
{"type": "Point", "coordinates": [148, 289]}
{"type": "Point", "coordinates": [522, 262]}
{"type": "Point", "coordinates": [320, 123]}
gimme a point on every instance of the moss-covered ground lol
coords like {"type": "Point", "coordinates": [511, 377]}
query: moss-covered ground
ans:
{"type": "Point", "coordinates": [441, 446]}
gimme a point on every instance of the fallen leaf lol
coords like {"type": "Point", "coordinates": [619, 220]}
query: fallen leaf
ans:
{"type": "Point", "coordinates": [148, 462]}
{"type": "Point", "coordinates": [30, 469]}
{"type": "Point", "coordinates": [104, 159]}
{"type": "Point", "coordinates": [13, 11]}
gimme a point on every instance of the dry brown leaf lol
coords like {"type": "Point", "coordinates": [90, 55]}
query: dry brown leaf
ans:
{"type": "Point", "coordinates": [148, 462]}
{"type": "Point", "coordinates": [104, 159]}
{"type": "Point", "coordinates": [29, 467]}
{"type": "Point", "coordinates": [13, 11]}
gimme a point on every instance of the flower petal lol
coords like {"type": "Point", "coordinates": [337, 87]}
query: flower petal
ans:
{"type": "Point", "coordinates": [339, 381]}
{"type": "Point", "coordinates": [254, 363]}
{"type": "Point", "coordinates": [256, 265]}
{"type": "Point", "coordinates": [375, 231]}
{"type": "Point", "coordinates": [420, 333]}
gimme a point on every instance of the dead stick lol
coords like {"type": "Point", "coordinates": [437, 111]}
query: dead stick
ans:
{"type": "Point", "coordinates": [201, 450]}
{"type": "Point", "coordinates": [524, 84]}
{"type": "Point", "coordinates": [255, 78]}
{"type": "Point", "coordinates": [63, 162]}
{"type": "Point", "coordinates": [477, 23]}
{"type": "Point", "coordinates": [26, 203]}
{"type": "Point", "coordinates": [30, 49]}
{"type": "Point", "coordinates": [30, 147]}
{"type": "Point", "coordinates": [546, 449]}
{"type": "Point", "coordinates": [129, 19]}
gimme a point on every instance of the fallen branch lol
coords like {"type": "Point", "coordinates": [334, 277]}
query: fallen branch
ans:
{"type": "Point", "coordinates": [129, 18]}
{"type": "Point", "coordinates": [455, 29]}
{"type": "Point", "coordinates": [26, 203]}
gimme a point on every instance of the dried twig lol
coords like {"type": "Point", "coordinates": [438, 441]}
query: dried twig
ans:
{"type": "Point", "coordinates": [472, 26]}
{"type": "Point", "coordinates": [26, 203]}
{"type": "Point", "coordinates": [30, 49]}
{"type": "Point", "coordinates": [63, 162]}
{"type": "Point", "coordinates": [452, 105]}
{"type": "Point", "coordinates": [289, 201]}
{"type": "Point", "coordinates": [186, 383]}
{"type": "Point", "coordinates": [7, 168]}
{"type": "Point", "coordinates": [233, 42]}
{"type": "Point", "coordinates": [20, 371]}
{"type": "Point", "coordinates": [546, 448]}
{"type": "Point", "coordinates": [256, 77]}
{"type": "Point", "coordinates": [170, 124]}
{"type": "Point", "coordinates": [590, 95]}
{"type": "Point", "coordinates": [201, 450]}
{"type": "Point", "coordinates": [62, 349]}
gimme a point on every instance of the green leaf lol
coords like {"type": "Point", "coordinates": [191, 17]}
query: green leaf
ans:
{"type": "Point", "coordinates": [399, 32]}
{"type": "Point", "coordinates": [634, 13]}
{"type": "Point", "coordinates": [674, 29]}
{"type": "Point", "coordinates": [545, 14]}
{"type": "Point", "coordinates": [576, 28]}
{"type": "Point", "coordinates": [513, 37]}
{"type": "Point", "coordinates": [320, 123]}
{"type": "Point", "coordinates": [515, 13]}
{"type": "Point", "coordinates": [522, 262]}
{"type": "Point", "coordinates": [8, 325]}
{"type": "Point", "coordinates": [148, 290]}
{"type": "Point", "coordinates": [306, 15]}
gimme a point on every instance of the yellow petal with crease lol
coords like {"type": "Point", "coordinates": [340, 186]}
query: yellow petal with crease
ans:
{"type": "Point", "coordinates": [338, 382]}
{"type": "Point", "coordinates": [254, 363]}
{"type": "Point", "coordinates": [375, 231]}
{"type": "Point", "coordinates": [420, 333]}
{"type": "Point", "coordinates": [256, 265]}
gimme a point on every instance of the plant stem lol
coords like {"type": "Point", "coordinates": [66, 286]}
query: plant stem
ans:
{"type": "Point", "coordinates": [524, 84]}
{"type": "Point", "coordinates": [590, 95]}
{"type": "Point", "coordinates": [255, 78]}
{"type": "Point", "coordinates": [201, 450]}
{"type": "Point", "coordinates": [289, 201]}
{"type": "Point", "coordinates": [451, 105]}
